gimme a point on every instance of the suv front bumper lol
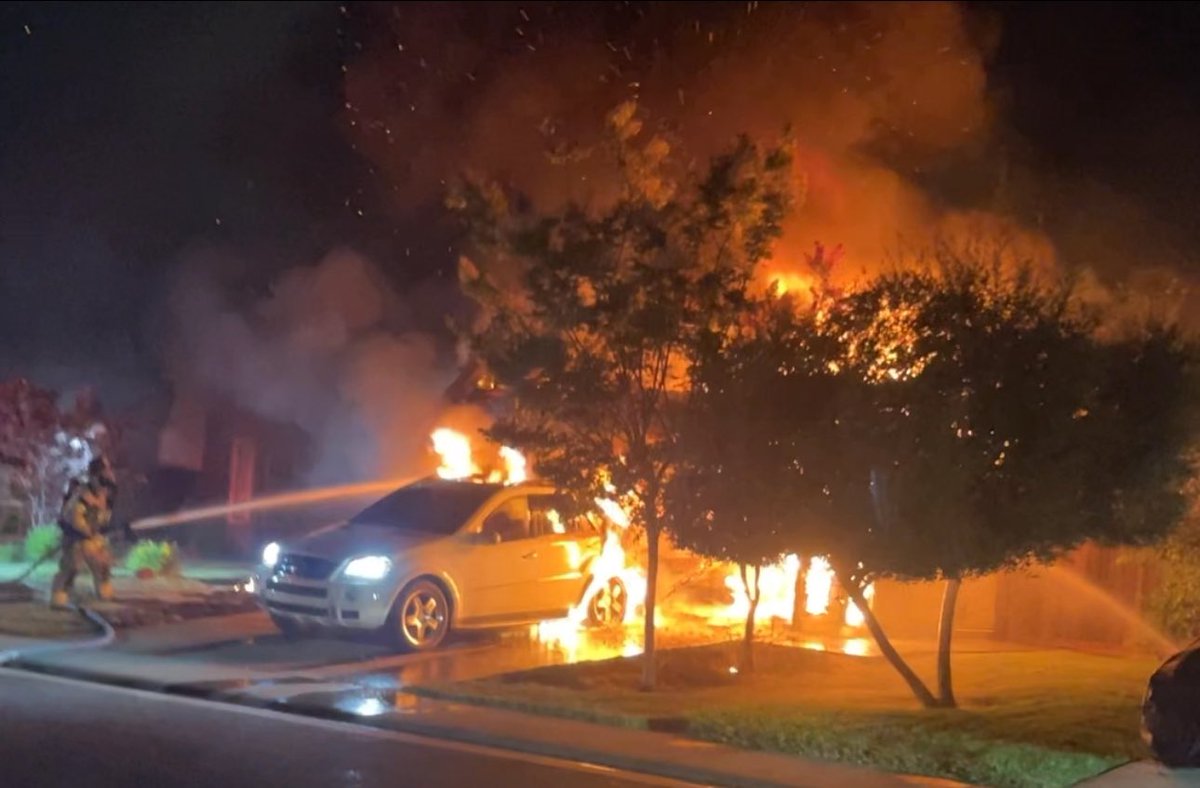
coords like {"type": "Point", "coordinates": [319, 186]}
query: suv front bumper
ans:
{"type": "Point", "coordinates": [324, 603]}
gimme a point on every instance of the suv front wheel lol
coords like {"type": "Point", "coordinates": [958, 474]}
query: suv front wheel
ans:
{"type": "Point", "coordinates": [420, 618]}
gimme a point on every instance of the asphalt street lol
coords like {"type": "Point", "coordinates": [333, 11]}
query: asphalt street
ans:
{"type": "Point", "coordinates": [59, 732]}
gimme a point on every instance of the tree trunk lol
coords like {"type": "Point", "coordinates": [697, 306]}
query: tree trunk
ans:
{"type": "Point", "coordinates": [753, 594]}
{"type": "Point", "coordinates": [649, 673]}
{"type": "Point", "coordinates": [798, 599]}
{"type": "Point", "coordinates": [945, 633]}
{"type": "Point", "coordinates": [914, 682]}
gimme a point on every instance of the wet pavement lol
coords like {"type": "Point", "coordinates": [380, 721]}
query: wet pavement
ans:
{"type": "Point", "coordinates": [62, 733]}
{"type": "Point", "coordinates": [243, 655]}
{"type": "Point", "coordinates": [243, 663]}
{"type": "Point", "coordinates": [251, 644]}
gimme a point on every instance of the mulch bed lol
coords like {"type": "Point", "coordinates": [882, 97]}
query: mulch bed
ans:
{"type": "Point", "coordinates": [23, 615]}
{"type": "Point", "coordinates": [128, 614]}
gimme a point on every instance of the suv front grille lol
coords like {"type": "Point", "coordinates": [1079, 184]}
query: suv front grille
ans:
{"type": "Point", "coordinates": [304, 610]}
{"type": "Point", "coordinates": [304, 566]}
{"type": "Point", "coordinates": [292, 588]}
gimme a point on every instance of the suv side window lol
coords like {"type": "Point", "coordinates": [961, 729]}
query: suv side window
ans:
{"type": "Point", "coordinates": [509, 521]}
{"type": "Point", "coordinates": [547, 515]}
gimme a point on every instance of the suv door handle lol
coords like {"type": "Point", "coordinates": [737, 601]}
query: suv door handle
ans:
{"type": "Point", "coordinates": [531, 554]}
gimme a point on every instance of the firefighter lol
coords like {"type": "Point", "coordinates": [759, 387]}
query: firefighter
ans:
{"type": "Point", "coordinates": [85, 516]}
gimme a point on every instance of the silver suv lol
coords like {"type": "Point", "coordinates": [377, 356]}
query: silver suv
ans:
{"type": "Point", "coordinates": [434, 556]}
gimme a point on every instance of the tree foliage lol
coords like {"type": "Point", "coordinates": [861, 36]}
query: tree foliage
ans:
{"type": "Point", "coordinates": [42, 445]}
{"type": "Point", "coordinates": [729, 498]}
{"type": "Point", "coordinates": [590, 313]}
{"type": "Point", "coordinates": [946, 422]}
{"type": "Point", "coordinates": [1009, 432]}
{"type": "Point", "coordinates": [1175, 603]}
{"type": "Point", "coordinates": [1004, 430]}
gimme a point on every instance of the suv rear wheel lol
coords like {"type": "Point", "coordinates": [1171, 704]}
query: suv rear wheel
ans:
{"type": "Point", "coordinates": [420, 618]}
{"type": "Point", "coordinates": [607, 605]}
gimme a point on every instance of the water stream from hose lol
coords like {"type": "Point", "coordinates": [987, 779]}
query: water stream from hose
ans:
{"type": "Point", "coordinates": [267, 502]}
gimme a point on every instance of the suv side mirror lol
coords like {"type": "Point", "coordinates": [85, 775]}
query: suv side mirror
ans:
{"type": "Point", "coordinates": [486, 537]}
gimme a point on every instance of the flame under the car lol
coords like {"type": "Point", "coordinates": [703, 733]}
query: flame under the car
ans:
{"type": "Point", "coordinates": [778, 583]}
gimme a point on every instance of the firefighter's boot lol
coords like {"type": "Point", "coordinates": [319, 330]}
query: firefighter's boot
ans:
{"type": "Point", "coordinates": [69, 561]}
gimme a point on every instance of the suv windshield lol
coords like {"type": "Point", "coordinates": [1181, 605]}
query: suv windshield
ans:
{"type": "Point", "coordinates": [436, 507]}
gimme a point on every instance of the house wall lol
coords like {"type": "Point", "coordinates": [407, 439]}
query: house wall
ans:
{"type": "Point", "coordinates": [910, 610]}
{"type": "Point", "coordinates": [1091, 597]}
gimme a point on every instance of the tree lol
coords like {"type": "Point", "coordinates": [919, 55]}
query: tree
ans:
{"type": "Point", "coordinates": [1023, 434]}
{"type": "Point", "coordinates": [1175, 604]}
{"type": "Point", "coordinates": [960, 420]}
{"type": "Point", "coordinates": [589, 312]}
{"type": "Point", "coordinates": [44, 446]}
{"type": "Point", "coordinates": [727, 499]}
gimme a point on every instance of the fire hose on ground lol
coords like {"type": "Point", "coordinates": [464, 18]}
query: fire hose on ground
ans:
{"type": "Point", "coordinates": [106, 636]}
{"type": "Point", "coordinates": [15, 590]}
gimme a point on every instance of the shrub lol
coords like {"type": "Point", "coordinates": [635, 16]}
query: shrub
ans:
{"type": "Point", "coordinates": [1175, 604]}
{"type": "Point", "coordinates": [162, 557]}
{"type": "Point", "coordinates": [41, 541]}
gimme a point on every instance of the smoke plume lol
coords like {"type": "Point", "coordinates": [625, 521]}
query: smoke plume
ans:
{"type": "Point", "coordinates": [332, 349]}
{"type": "Point", "coordinates": [885, 101]}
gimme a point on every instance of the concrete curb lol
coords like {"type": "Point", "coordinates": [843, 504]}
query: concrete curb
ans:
{"type": "Point", "coordinates": [413, 724]}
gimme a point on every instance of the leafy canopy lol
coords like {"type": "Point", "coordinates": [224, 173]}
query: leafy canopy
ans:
{"type": "Point", "coordinates": [590, 313]}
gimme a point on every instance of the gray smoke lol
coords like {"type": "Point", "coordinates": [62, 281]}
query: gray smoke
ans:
{"type": "Point", "coordinates": [332, 349]}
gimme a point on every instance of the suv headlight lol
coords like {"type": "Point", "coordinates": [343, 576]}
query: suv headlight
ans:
{"type": "Point", "coordinates": [369, 567]}
{"type": "Point", "coordinates": [270, 554]}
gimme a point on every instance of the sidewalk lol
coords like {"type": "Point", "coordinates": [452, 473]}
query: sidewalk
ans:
{"type": "Point", "coordinates": [132, 665]}
{"type": "Point", "coordinates": [662, 754]}
{"type": "Point", "coordinates": [1145, 774]}
{"type": "Point", "coordinates": [137, 659]}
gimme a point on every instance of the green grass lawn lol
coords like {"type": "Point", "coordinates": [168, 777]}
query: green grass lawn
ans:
{"type": "Point", "coordinates": [1026, 718]}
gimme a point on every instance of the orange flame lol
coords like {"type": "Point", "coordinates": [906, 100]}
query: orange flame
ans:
{"type": "Point", "coordinates": [454, 449]}
{"type": "Point", "coordinates": [777, 587]}
{"type": "Point", "coordinates": [818, 586]}
{"type": "Point", "coordinates": [790, 282]}
{"type": "Point", "coordinates": [514, 465]}
{"type": "Point", "coordinates": [567, 633]}
{"type": "Point", "coordinates": [457, 459]}
{"type": "Point", "coordinates": [854, 616]}
{"type": "Point", "coordinates": [457, 462]}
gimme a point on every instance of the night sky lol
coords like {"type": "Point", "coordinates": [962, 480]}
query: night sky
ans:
{"type": "Point", "coordinates": [132, 134]}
